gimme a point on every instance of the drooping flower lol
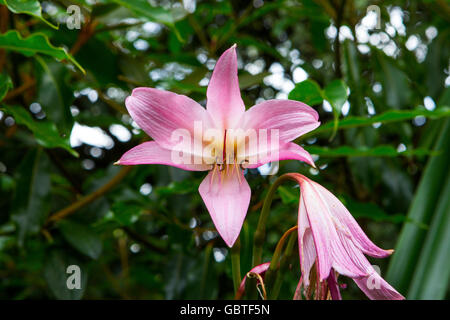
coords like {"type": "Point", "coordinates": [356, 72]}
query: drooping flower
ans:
{"type": "Point", "coordinates": [330, 238]}
{"type": "Point", "coordinates": [176, 123]}
{"type": "Point", "coordinates": [260, 270]}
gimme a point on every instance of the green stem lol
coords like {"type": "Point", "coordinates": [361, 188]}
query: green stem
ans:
{"type": "Point", "coordinates": [260, 233]}
{"type": "Point", "coordinates": [270, 273]}
{"type": "Point", "coordinates": [203, 283]}
{"type": "Point", "coordinates": [236, 264]}
{"type": "Point", "coordinates": [283, 267]}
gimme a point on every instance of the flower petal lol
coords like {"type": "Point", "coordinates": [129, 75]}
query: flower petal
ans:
{"type": "Point", "coordinates": [259, 269]}
{"type": "Point", "coordinates": [289, 151]}
{"type": "Point", "coordinates": [162, 113]}
{"type": "Point", "coordinates": [334, 286]}
{"type": "Point", "coordinates": [333, 249]}
{"type": "Point", "coordinates": [376, 288]}
{"type": "Point", "coordinates": [307, 251]}
{"type": "Point", "coordinates": [152, 153]}
{"type": "Point", "coordinates": [227, 198]}
{"type": "Point", "coordinates": [349, 223]}
{"type": "Point", "coordinates": [224, 102]}
{"type": "Point", "coordinates": [291, 118]}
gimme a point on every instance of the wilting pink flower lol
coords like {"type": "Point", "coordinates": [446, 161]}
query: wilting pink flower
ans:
{"type": "Point", "coordinates": [259, 269]}
{"type": "Point", "coordinates": [330, 237]}
{"type": "Point", "coordinates": [225, 191]}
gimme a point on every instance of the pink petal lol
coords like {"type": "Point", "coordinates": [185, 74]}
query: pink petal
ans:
{"type": "Point", "coordinates": [289, 151]}
{"type": "Point", "coordinates": [307, 250]}
{"type": "Point", "coordinates": [333, 250]}
{"type": "Point", "coordinates": [259, 269]}
{"type": "Point", "coordinates": [151, 153]}
{"type": "Point", "coordinates": [227, 198]}
{"type": "Point", "coordinates": [291, 118]}
{"type": "Point", "coordinates": [159, 113]}
{"type": "Point", "coordinates": [376, 288]}
{"type": "Point", "coordinates": [349, 224]}
{"type": "Point", "coordinates": [224, 102]}
{"type": "Point", "coordinates": [334, 286]}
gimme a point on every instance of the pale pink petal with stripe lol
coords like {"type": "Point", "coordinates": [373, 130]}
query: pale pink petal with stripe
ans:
{"type": "Point", "coordinates": [152, 153]}
{"type": "Point", "coordinates": [223, 96]}
{"type": "Point", "coordinates": [227, 197]}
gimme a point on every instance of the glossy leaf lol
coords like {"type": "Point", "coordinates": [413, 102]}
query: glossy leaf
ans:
{"type": "Point", "coordinates": [82, 238]}
{"type": "Point", "coordinates": [45, 132]}
{"type": "Point", "coordinates": [336, 93]}
{"type": "Point", "coordinates": [383, 118]}
{"type": "Point", "coordinates": [422, 210]}
{"type": "Point", "coordinates": [5, 85]}
{"type": "Point", "coordinates": [55, 273]}
{"type": "Point", "coordinates": [34, 44]}
{"type": "Point", "coordinates": [377, 151]}
{"type": "Point", "coordinates": [430, 279]}
{"type": "Point", "coordinates": [30, 7]}
{"type": "Point", "coordinates": [248, 80]}
{"type": "Point", "coordinates": [30, 204]}
{"type": "Point", "coordinates": [144, 9]}
{"type": "Point", "coordinates": [124, 213]}
{"type": "Point", "coordinates": [54, 94]}
{"type": "Point", "coordinates": [308, 92]}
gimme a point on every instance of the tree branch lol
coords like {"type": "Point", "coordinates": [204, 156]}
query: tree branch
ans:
{"type": "Point", "coordinates": [89, 198]}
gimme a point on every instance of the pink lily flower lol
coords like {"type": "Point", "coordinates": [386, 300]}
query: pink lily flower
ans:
{"type": "Point", "coordinates": [329, 236]}
{"type": "Point", "coordinates": [224, 191]}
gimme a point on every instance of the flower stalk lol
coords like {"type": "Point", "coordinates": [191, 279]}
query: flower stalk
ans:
{"type": "Point", "coordinates": [236, 264]}
{"type": "Point", "coordinates": [274, 263]}
{"type": "Point", "coordinates": [260, 233]}
{"type": "Point", "coordinates": [284, 264]}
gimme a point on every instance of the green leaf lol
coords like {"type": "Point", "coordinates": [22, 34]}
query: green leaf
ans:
{"type": "Point", "coordinates": [431, 277]}
{"type": "Point", "coordinates": [371, 211]}
{"type": "Point", "coordinates": [378, 151]}
{"type": "Point", "coordinates": [30, 7]}
{"type": "Point", "coordinates": [34, 44]}
{"type": "Point", "coordinates": [125, 214]}
{"type": "Point", "coordinates": [308, 92]}
{"type": "Point", "coordinates": [177, 187]}
{"type": "Point", "coordinates": [246, 40]}
{"type": "Point", "coordinates": [5, 85]}
{"type": "Point", "coordinates": [336, 93]}
{"type": "Point", "coordinates": [386, 117]}
{"type": "Point", "coordinates": [82, 238]}
{"type": "Point", "coordinates": [54, 95]}
{"type": "Point", "coordinates": [288, 196]}
{"type": "Point", "coordinates": [55, 273]}
{"type": "Point", "coordinates": [101, 9]}
{"type": "Point", "coordinates": [30, 203]}
{"type": "Point", "coordinates": [247, 80]}
{"type": "Point", "coordinates": [424, 208]}
{"type": "Point", "coordinates": [45, 132]}
{"type": "Point", "coordinates": [395, 82]}
{"type": "Point", "coordinates": [143, 9]}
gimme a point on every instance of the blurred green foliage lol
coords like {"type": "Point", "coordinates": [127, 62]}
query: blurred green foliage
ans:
{"type": "Point", "coordinates": [143, 232]}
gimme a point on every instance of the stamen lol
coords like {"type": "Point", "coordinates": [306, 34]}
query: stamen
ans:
{"type": "Point", "coordinates": [213, 174]}
{"type": "Point", "coordinates": [238, 175]}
